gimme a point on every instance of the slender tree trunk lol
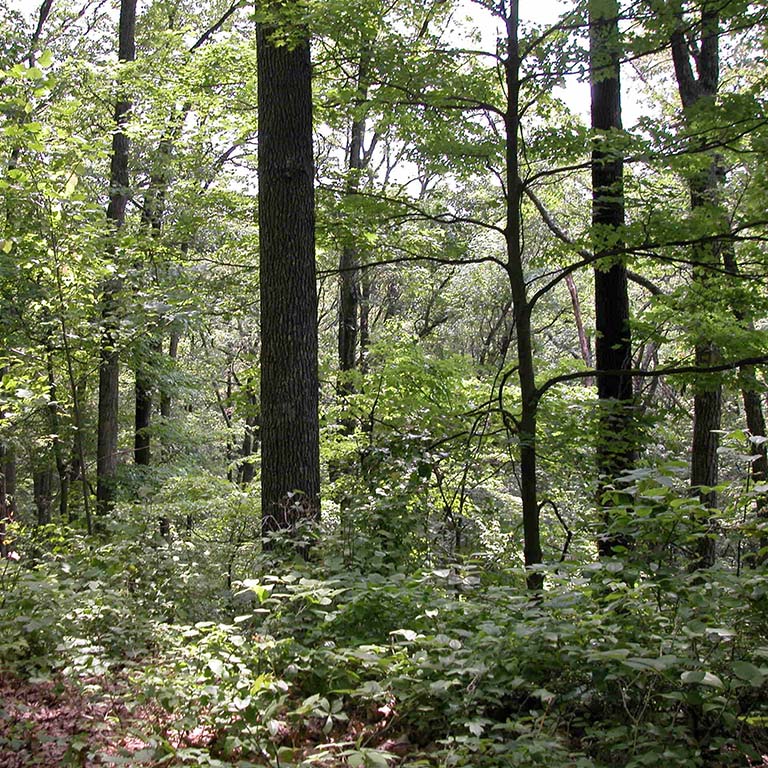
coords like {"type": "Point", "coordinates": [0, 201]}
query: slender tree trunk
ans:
{"type": "Point", "coordinates": [349, 262]}
{"type": "Point", "coordinates": [42, 484]}
{"type": "Point", "coordinates": [142, 454]}
{"type": "Point", "coordinates": [526, 425]}
{"type": "Point", "coordinates": [753, 410]}
{"type": "Point", "coordinates": [7, 492]}
{"type": "Point", "coordinates": [62, 469]}
{"type": "Point", "coordinates": [109, 367]}
{"type": "Point", "coordinates": [251, 437]}
{"type": "Point", "coordinates": [366, 292]}
{"type": "Point", "coordinates": [613, 339]}
{"type": "Point", "coordinates": [707, 407]}
{"type": "Point", "coordinates": [166, 400]}
{"type": "Point", "coordinates": [584, 347]}
{"type": "Point", "coordinates": [151, 218]}
{"type": "Point", "coordinates": [753, 406]}
{"type": "Point", "coordinates": [290, 465]}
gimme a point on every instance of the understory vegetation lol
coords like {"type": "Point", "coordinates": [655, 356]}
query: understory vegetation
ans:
{"type": "Point", "coordinates": [368, 655]}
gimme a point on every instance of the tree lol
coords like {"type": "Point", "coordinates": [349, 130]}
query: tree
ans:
{"type": "Point", "coordinates": [695, 89]}
{"type": "Point", "coordinates": [290, 464]}
{"type": "Point", "coordinates": [613, 341]}
{"type": "Point", "coordinates": [109, 365]}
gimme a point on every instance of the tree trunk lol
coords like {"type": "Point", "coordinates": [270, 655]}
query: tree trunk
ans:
{"type": "Point", "coordinates": [290, 465]}
{"type": "Point", "coordinates": [753, 410]}
{"type": "Point", "coordinates": [613, 339]}
{"type": "Point", "coordinates": [143, 417]}
{"type": "Point", "coordinates": [42, 482]}
{"type": "Point", "coordinates": [166, 399]}
{"type": "Point", "coordinates": [584, 347]}
{"type": "Point", "coordinates": [526, 424]}
{"type": "Point", "coordinates": [251, 437]}
{"type": "Point", "coordinates": [53, 412]}
{"type": "Point", "coordinates": [704, 192]}
{"type": "Point", "coordinates": [152, 218]}
{"type": "Point", "coordinates": [349, 262]}
{"type": "Point", "coordinates": [109, 367]}
{"type": "Point", "coordinates": [366, 291]}
{"type": "Point", "coordinates": [7, 494]}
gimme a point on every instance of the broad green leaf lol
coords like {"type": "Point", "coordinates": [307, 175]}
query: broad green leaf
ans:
{"type": "Point", "coordinates": [216, 666]}
{"type": "Point", "coordinates": [749, 672]}
{"type": "Point", "coordinates": [702, 678]}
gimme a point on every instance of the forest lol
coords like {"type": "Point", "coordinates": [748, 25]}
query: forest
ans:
{"type": "Point", "coordinates": [384, 383]}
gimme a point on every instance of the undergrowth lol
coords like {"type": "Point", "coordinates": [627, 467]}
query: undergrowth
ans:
{"type": "Point", "coordinates": [616, 663]}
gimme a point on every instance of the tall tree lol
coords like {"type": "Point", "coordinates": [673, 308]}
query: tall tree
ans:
{"type": "Point", "coordinates": [526, 425]}
{"type": "Point", "coordinates": [695, 89]}
{"type": "Point", "coordinates": [613, 340]}
{"type": "Point", "coordinates": [349, 261]}
{"type": "Point", "coordinates": [290, 465]}
{"type": "Point", "coordinates": [109, 366]}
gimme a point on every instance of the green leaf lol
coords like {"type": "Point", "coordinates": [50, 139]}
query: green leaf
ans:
{"type": "Point", "coordinates": [749, 672]}
{"type": "Point", "coordinates": [699, 677]}
{"type": "Point", "coordinates": [216, 666]}
{"type": "Point", "coordinates": [659, 664]}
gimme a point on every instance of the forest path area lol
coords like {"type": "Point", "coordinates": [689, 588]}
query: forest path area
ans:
{"type": "Point", "coordinates": [53, 723]}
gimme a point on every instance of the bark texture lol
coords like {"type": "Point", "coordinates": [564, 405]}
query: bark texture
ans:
{"type": "Point", "coordinates": [613, 339]}
{"type": "Point", "coordinates": [109, 364]}
{"type": "Point", "coordinates": [693, 89]}
{"type": "Point", "coordinates": [290, 465]}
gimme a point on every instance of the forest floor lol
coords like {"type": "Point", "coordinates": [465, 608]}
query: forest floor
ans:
{"type": "Point", "coordinates": [49, 724]}
{"type": "Point", "coordinates": [45, 723]}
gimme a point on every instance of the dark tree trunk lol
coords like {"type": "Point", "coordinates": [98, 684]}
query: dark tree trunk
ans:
{"type": "Point", "coordinates": [7, 494]}
{"type": "Point", "coordinates": [143, 416]}
{"type": "Point", "coordinates": [42, 482]}
{"type": "Point", "coordinates": [349, 262]}
{"type": "Point", "coordinates": [151, 218]}
{"type": "Point", "coordinates": [166, 400]}
{"type": "Point", "coordinates": [527, 423]}
{"type": "Point", "coordinates": [753, 410]}
{"type": "Point", "coordinates": [290, 464]}
{"type": "Point", "coordinates": [366, 290]}
{"type": "Point", "coordinates": [750, 394]}
{"type": "Point", "coordinates": [693, 88]}
{"type": "Point", "coordinates": [613, 339]}
{"type": "Point", "coordinates": [109, 366]}
{"type": "Point", "coordinates": [53, 412]}
{"type": "Point", "coordinates": [251, 436]}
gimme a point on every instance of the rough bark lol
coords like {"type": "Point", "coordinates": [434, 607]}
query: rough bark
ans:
{"type": "Point", "coordinates": [290, 466]}
{"type": "Point", "coordinates": [613, 339]}
{"type": "Point", "coordinates": [109, 366]}
{"type": "Point", "coordinates": [693, 88]}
